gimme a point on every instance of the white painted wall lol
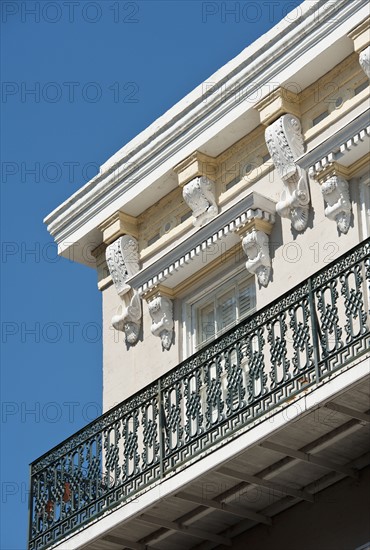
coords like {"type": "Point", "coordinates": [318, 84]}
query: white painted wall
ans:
{"type": "Point", "coordinates": [128, 369]}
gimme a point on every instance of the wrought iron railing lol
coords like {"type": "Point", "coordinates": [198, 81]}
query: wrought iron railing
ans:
{"type": "Point", "coordinates": [318, 327]}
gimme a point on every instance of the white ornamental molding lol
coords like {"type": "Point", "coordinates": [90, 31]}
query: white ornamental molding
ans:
{"type": "Point", "coordinates": [285, 143]}
{"type": "Point", "coordinates": [256, 247]}
{"type": "Point", "coordinates": [161, 312]}
{"type": "Point", "coordinates": [364, 60]}
{"type": "Point", "coordinates": [357, 143]}
{"type": "Point", "coordinates": [128, 319]}
{"type": "Point", "coordinates": [236, 225]}
{"type": "Point", "coordinates": [199, 195]}
{"type": "Point", "coordinates": [335, 191]}
{"type": "Point", "coordinates": [122, 258]}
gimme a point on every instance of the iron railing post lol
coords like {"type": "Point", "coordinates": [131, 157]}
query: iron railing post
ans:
{"type": "Point", "coordinates": [315, 329]}
{"type": "Point", "coordinates": [161, 430]}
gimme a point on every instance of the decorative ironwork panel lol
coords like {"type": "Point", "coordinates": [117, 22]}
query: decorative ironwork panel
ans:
{"type": "Point", "coordinates": [215, 404]}
{"type": "Point", "coordinates": [172, 417]}
{"type": "Point", "coordinates": [112, 437]}
{"type": "Point", "coordinates": [277, 330]}
{"type": "Point", "coordinates": [354, 304]}
{"type": "Point", "coordinates": [194, 416]}
{"type": "Point", "coordinates": [327, 304]}
{"type": "Point", "coordinates": [131, 451]}
{"type": "Point", "coordinates": [150, 433]}
{"type": "Point", "coordinates": [257, 378]}
{"type": "Point", "coordinates": [302, 343]}
{"type": "Point", "coordinates": [235, 380]}
{"type": "Point", "coordinates": [272, 356]}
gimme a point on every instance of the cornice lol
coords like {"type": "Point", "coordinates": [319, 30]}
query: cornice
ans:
{"type": "Point", "coordinates": [251, 70]}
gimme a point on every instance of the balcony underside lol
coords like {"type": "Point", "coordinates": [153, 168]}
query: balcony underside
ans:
{"type": "Point", "coordinates": [311, 451]}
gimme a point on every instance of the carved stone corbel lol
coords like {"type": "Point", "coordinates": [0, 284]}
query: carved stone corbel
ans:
{"type": "Point", "coordinates": [335, 190]}
{"type": "Point", "coordinates": [161, 312]}
{"type": "Point", "coordinates": [254, 233]}
{"type": "Point", "coordinates": [199, 195]}
{"type": "Point", "coordinates": [285, 143]}
{"type": "Point", "coordinates": [122, 258]}
{"type": "Point", "coordinates": [364, 59]}
{"type": "Point", "coordinates": [336, 194]}
{"type": "Point", "coordinates": [256, 247]}
{"type": "Point", "coordinates": [128, 319]}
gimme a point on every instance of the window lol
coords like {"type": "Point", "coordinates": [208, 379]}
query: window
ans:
{"type": "Point", "coordinates": [320, 117]}
{"type": "Point", "coordinates": [222, 308]}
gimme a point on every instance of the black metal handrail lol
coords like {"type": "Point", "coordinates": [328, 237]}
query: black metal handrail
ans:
{"type": "Point", "coordinates": [310, 332]}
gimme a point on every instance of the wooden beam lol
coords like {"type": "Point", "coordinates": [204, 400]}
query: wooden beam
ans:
{"type": "Point", "coordinates": [286, 503]}
{"type": "Point", "coordinates": [273, 485]}
{"type": "Point", "coordinates": [352, 413]}
{"type": "Point", "coordinates": [186, 529]}
{"type": "Point", "coordinates": [228, 508]}
{"type": "Point", "coordinates": [124, 543]}
{"type": "Point", "coordinates": [307, 457]}
{"type": "Point", "coordinates": [274, 470]}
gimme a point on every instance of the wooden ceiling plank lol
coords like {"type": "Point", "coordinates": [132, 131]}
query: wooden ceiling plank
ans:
{"type": "Point", "coordinates": [273, 485]}
{"type": "Point", "coordinates": [124, 543]}
{"type": "Point", "coordinates": [186, 529]}
{"type": "Point", "coordinates": [348, 411]}
{"type": "Point", "coordinates": [228, 508]}
{"type": "Point", "coordinates": [307, 457]}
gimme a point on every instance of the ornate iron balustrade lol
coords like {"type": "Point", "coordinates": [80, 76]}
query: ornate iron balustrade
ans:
{"type": "Point", "coordinates": [306, 335]}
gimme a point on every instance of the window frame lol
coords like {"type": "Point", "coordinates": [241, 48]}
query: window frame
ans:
{"type": "Point", "coordinates": [216, 287]}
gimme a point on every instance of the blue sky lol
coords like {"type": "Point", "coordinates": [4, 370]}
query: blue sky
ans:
{"type": "Point", "coordinates": [79, 80]}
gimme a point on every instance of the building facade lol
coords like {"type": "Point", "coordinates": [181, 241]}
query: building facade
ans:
{"type": "Point", "coordinates": [231, 243]}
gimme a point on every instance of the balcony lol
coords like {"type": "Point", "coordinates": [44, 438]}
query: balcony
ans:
{"type": "Point", "coordinates": [305, 339]}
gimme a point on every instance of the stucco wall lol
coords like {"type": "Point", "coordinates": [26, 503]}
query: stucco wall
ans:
{"type": "Point", "coordinates": [128, 369]}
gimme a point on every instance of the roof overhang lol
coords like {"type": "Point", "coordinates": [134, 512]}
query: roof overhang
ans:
{"type": "Point", "coordinates": [219, 112]}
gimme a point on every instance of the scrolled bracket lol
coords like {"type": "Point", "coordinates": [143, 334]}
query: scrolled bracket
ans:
{"type": "Point", "coordinates": [256, 247]}
{"type": "Point", "coordinates": [285, 143]}
{"type": "Point", "coordinates": [122, 257]}
{"type": "Point", "coordinates": [199, 195]}
{"type": "Point", "coordinates": [335, 191]}
{"type": "Point", "coordinates": [128, 319]}
{"type": "Point", "coordinates": [161, 313]}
